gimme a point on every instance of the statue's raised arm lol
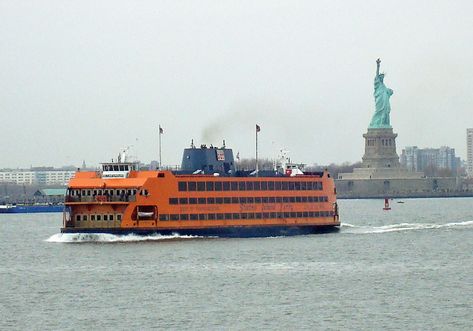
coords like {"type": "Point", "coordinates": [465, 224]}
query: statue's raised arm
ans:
{"type": "Point", "coordinates": [378, 64]}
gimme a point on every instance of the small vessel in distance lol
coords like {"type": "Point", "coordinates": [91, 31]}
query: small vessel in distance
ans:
{"type": "Point", "coordinates": [386, 204]}
{"type": "Point", "coordinates": [31, 208]}
{"type": "Point", "coordinates": [206, 197]}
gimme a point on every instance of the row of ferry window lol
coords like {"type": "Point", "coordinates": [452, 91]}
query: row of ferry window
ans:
{"type": "Point", "coordinates": [250, 186]}
{"type": "Point", "coordinates": [109, 192]}
{"type": "Point", "coordinates": [236, 200]}
{"type": "Point", "coordinates": [98, 217]}
{"type": "Point", "coordinates": [243, 216]}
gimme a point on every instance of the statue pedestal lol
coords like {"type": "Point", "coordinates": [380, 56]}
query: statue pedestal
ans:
{"type": "Point", "coordinates": [380, 149]}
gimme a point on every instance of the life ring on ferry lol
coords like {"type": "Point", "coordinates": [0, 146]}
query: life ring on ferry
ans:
{"type": "Point", "coordinates": [288, 172]}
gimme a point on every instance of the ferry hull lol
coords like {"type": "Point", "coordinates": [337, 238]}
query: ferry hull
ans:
{"type": "Point", "coordinates": [223, 232]}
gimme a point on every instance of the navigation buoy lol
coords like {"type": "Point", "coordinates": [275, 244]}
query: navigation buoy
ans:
{"type": "Point", "coordinates": [386, 204]}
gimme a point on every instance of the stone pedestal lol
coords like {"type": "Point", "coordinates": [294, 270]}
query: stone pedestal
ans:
{"type": "Point", "coordinates": [380, 149]}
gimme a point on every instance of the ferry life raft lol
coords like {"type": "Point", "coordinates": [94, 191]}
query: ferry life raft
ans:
{"type": "Point", "coordinates": [120, 199]}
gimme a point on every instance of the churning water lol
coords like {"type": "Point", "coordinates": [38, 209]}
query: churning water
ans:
{"type": "Point", "coordinates": [408, 268]}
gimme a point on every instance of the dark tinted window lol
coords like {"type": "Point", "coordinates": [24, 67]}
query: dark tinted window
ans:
{"type": "Point", "coordinates": [284, 186]}
{"type": "Point", "coordinates": [235, 200]}
{"type": "Point", "coordinates": [257, 200]}
{"type": "Point", "coordinates": [264, 199]}
{"type": "Point", "coordinates": [210, 200]}
{"type": "Point", "coordinates": [191, 186]}
{"type": "Point", "coordinates": [256, 186]}
{"type": "Point", "coordinates": [236, 216]}
{"type": "Point", "coordinates": [285, 199]}
{"type": "Point", "coordinates": [297, 185]}
{"type": "Point", "coordinates": [220, 216]}
{"type": "Point", "coordinates": [292, 185]}
{"type": "Point", "coordinates": [184, 217]}
{"type": "Point", "coordinates": [182, 186]}
{"type": "Point", "coordinates": [192, 201]}
{"type": "Point", "coordinates": [162, 217]}
{"type": "Point", "coordinates": [304, 199]}
{"type": "Point", "coordinates": [250, 200]}
{"type": "Point", "coordinates": [298, 199]}
{"type": "Point", "coordinates": [278, 199]}
{"type": "Point", "coordinates": [219, 200]}
{"type": "Point", "coordinates": [264, 186]}
{"type": "Point", "coordinates": [292, 199]}
{"type": "Point", "coordinates": [173, 201]}
{"type": "Point", "coordinates": [303, 186]}
{"type": "Point", "coordinates": [202, 217]}
{"type": "Point", "coordinates": [228, 216]}
{"type": "Point", "coordinates": [242, 199]}
{"type": "Point", "coordinates": [226, 186]}
{"type": "Point", "coordinates": [200, 186]}
{"type": "Point", "coordinates": [174, 217]}
{"type": "Point", "coordinates": [258, 215]}
{"type": "Point", "coordinates": [277, 186]}
{"type": "Point", "coordinates": [211, 216]}
{"type": "Point", "coordinates": [194, 217]}
{"type": "Point", "coordinates": [241, 186]}
{"type": "Point", "coordinates": [249, 186]}
{"type": "Point", "coordinates": [183, 201]}
{"type": "Point", "coordinates": [272, 199]}
{"type": "Point", "coordinates": [218, 186]}
{"type": "Point", "coordinates": [234, 186]}
{"type": "Point", "coordinates": [209, 186]}
{"type": "Point", "coordinates": [227, 200]}
{"type": "Point", "coordinates": [201, 201]}
{"type": "Point", "coordinates": [271, 186]}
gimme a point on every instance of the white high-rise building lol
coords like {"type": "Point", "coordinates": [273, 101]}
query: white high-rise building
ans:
{"type": "Point", "coordinates": [469, 152]}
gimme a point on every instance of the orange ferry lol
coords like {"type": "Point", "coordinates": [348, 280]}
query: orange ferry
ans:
{"type": "Point", "coordinates": [206, 197]}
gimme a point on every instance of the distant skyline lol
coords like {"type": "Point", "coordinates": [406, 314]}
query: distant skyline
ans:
{"type": "Point", "coordinates": [81, 80]}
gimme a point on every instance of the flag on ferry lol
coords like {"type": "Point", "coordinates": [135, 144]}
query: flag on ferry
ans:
{"type": "Point", "coordinates": [258, 129]}
{"type": "Point", "coordinates": [161, 131]}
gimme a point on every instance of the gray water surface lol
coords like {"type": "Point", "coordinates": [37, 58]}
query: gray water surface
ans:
{"type": "Point", "coordinates": [408, 268]}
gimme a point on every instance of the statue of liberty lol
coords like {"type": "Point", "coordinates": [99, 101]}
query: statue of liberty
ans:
{"type": "Point", "coordinates": [381, 97]}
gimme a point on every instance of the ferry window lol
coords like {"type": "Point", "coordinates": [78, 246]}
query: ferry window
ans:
{"type": "Point", "coordinates": [278, 199]}
{"type": "Point", "coordinates": [174, 217]}
{"type": "Point", "coordinates": [220, 216]}
{"type": "Point", "coordinates": [210, 200]}
{"type": "Point", "coordinates": [251, 215]}
{"type": "Point", "coordinates": [298, 199]}
{"type": "Point", "coordinates": [258, 215]}
{"type": "Point", "coordinates": [277, 186]}
{"type": "Point", "coordinates": [303, 186]}
{"type": "Point", "coordinates": [325, 199]}
{"type": "Point", "coordinates": [193, 217]}
{"type": "Point", "coordinates": [211, 216]}
{"type": "Point", "coordinates": [115, 168]}
{"type": "Point", "coordinates": [191, 186]}
{"type": "Point", "coordinates": [209, 186]}
{"type": "Point", "coordinates": [311, 214]}
{"type": "Point", "coordinates": [287, 214]}
{"type": "Point", "coordinates": [202, 217]}
{"type": "Point", "coordinates": [235, 200]}
{"type": "Point", "coordinates": [99, 217]}
{"type": "Point", "coordinates": [119, 217]}
{"type": "Point", "coordinates": [316, 214]}
{"type": "Point", "coordinates": [250, 200]}
{"type": "Point", "coordinates": [242, 199]}
{"type": "Point", "coordinates": [265, 215]}
{"type": "Point", "coordinates": [241, 186]}
{"type": "Point", "coordinates": [244, 216]}
{"type": "Point", "coordinates": [310, 199]}
{"type": "Point", "coordinates": [201, 201]}
{"type": "Point", "coordinates": [284, 186]}
{"type": "Point", "coordinates": [162, 217]}
{"type": "Point", "coordinates": [264, 199]}
{"type": "Point", "coordinates": [227, 200]}
{"type": "Point", "coordinates": [183, 201]}
{"type": "Point", "coordinates": [271, 199]}
{"type": "Point", "coordinates": [304, 199]}
{"type": "Point", "coordinates": [273, 215]}
{"type": "Point", "coordinates": [228, 216]}
{"type": "Point", "coordinates": [292, 186]}
{"type": "Point", "coordinates": [192, 201]}
{"type": "Point", "coordinates": [99, 192]}
{"type": "Point", "coordinates": [297, 186]}
{"type": "Point", "coordinates": [92, 217]}
{"type": "Point", "coordinates": [305, 214]}
{"type": "Point", "coordinates": [271, 186]}
{"type": "Point", "coordinates": [184, 217]}
{"type": "Point", "coordinates": [182, 186]}
{"type": "Point", "coordinates": [88, 193]}
{"type": "Point", "coordinates": [280, 215]}
{"type": "Point", "coordinates": [122, 168]}
{"type": "Point", "coordinates": [219, 200]}
{"type": "Point", "coordinates": [264, 186]}
{"type": "Point", "coordinates": [234, 186]}
{"type": "Point", "coordinates": [110, 217]}
{"type": "Point", "coordinates": [83, 192]}
{"type": "Point", "coordinates": [77, 217]}
{"type": "Point", "coordinates": [218, 186]}
{"type": "Point", "coordinates": [105, 217]}
{"type": "Point", "coordinates": [236, 216]}
{"type": "Point", "coordinates": [249, 186]}
{"type": "Point", "coordinates": [292, 199]}
{"type": "Point", "coordinates": [257, 186]}
{"type": "Point", "coordinates": [257, 200]}
{"type": "Point", "coordinates": [285, 199]}
{"type": "Point", "coordinates": [320, 186]}
{"type": "Point", "coordinates": [84, 218]}
{"type": "Point", "coordinates": [200, 186]}
{"type": "Point", "coordinates": [226, 186]}
{"type": "Point", "coordinates": [299, 214]}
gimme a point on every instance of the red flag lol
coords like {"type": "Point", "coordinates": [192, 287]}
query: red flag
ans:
{"type": "Point", "coordinates": [258, 129]}
{"type": "Point", "coordinates": [161, 131]}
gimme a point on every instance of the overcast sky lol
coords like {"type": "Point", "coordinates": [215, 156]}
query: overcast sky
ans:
{"type": "Point", "coordinates": [79, 80]}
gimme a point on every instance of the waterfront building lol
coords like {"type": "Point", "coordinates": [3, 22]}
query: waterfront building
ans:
{"type": "Point", "coordinates": [38, 176]}
{"type": "Point", "coordinates": [469, 152]}
{"type": "Point", "coordinates": [420, 159]}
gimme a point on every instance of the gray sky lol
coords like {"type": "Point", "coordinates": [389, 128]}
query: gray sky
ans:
{"type": "Point", "coordinates": [80, 80]}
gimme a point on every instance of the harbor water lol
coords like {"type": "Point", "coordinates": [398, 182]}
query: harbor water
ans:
{"type": "Point", "coordinates": [410, 268]}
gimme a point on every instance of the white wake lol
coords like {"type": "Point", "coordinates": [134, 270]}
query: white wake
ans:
{"type": "Point", "coordinates": [359, 229]}
{"type": "Point", "coordinates": [111, 238]}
